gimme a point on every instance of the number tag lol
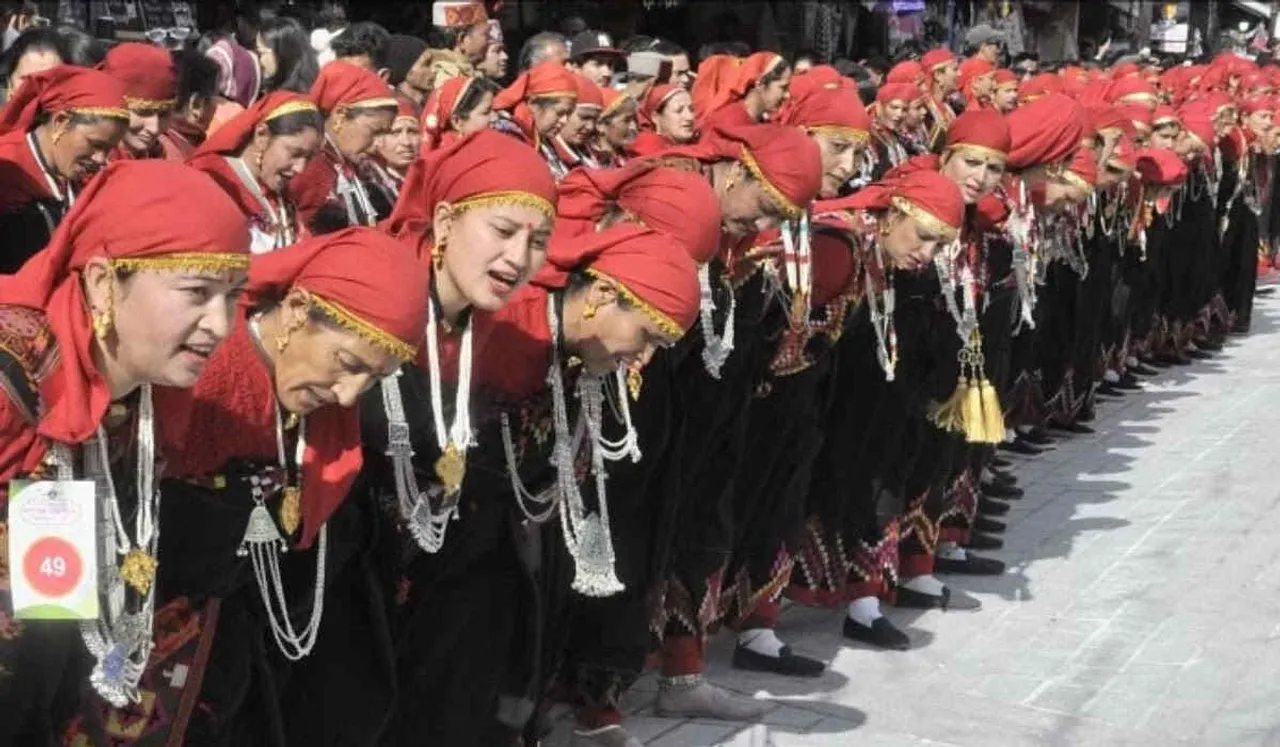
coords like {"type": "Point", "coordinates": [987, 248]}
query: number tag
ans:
{"type": "Point", "coordinates": [53, 563]}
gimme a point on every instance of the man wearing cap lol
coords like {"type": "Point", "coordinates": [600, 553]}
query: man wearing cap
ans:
{"type": "Point", "coordinates": [592, 54]}
{"type": "Point", "coordinates": [984, 42]}
{"type": "Point", "coordinates": [461, 27]}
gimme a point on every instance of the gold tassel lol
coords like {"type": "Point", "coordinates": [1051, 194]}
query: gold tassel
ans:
{"type": "Point", "coordinates": [993, 414]}
{"type": "Point", "coordinates": [973, 424]}
{"type": "Point", "coordinates": [948, 415]}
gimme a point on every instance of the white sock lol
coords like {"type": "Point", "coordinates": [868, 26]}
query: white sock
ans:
{"type": "Point", "coordinates": [951, 551]}
{"type": "Point", "coordinates": [1111, 377]}
{"type": "Point", "coordinates": [762, 641]}
{"type": "Point", "coordinates": [1010, 434]}
{"type": "Point", "coordinates": [926, 584]}
{"type": "Point", "coordinates": [1131, 361]}
{"type": "Point", "coordinates": [865, 610]}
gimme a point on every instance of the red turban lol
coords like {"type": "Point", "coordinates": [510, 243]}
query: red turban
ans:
{"type": "Point", "coordinates": [588, 93]}
{"type": "Point", "coordinates": [972, 69]}
{"type": "Point", "coordinates": [1083, 170]}
{"type": "Point", "coordinates": [1133, 89]}
{"type": "Point", "coordinates": [544, 80]}
{"type": "Point", "coordinates": [486, 167]}
{"type": "Point", "coordinates": [138, 216]}
{"type": "Point", "coordinates": [654, 100]}
{"type": "Point", "coordinates": [613, 100]}
{"type": "Point", "coordinates": [984, 130]}
{"type": "Point", "coordinates": [924, 194]}
{"type": "Point", "coordinates": [820, 76]}
{"type": "Point", "coordinates": [438, 111]}
{"type": "Point", "coordinates": [63, 89]}
{"type": "Point", "coordinates": [238, 131]}
{"type": "Point", "coordinates": [1045, 131]}
{"type": "Point", "coordinates": [786, 162]}
{"type": "Point", "coordinates": [825, 110]}
{"type": "Point", "coordinates": [1006, 78]}
{"type": "Point", "coordinates": [908, 71]}
{"type": "Point", "coordinates": [1161, 168]}
{"type": "Point", "coordinates": [669, 200]}
{"type": "Point", "coordinates": [341, 84]}
{"type": "Point", "coordinates": [1256, 103]}
{"type": "Point", "coordinates": [1038, 86]}
{"type": "Point", "coordinates": [1197, 120]}
{"type": "Point", "coordinates": [1138, 114]}
{"type": "Point", "coordinates": [906, 92]}
{"type": "Point", "coordinates": [147, 72]}
{"type": "Point", "coordinates": [935, 58]}
{"type": "Point", "coordinates": [1123, 157]}
{"type": "Point", "coordinates": [1164, 115]}
{"type": "Point", "coordinates": [714, 74]}
{"type": "Point", "coordinates": [747, 75]}
{"type": "Point", "coordinates": [654, 272]}
{"type": "Point", "coordinates": [1104, 117]}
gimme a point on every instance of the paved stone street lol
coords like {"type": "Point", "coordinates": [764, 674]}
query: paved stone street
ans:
{"type": "Point", "coordinates": [1141, 605]}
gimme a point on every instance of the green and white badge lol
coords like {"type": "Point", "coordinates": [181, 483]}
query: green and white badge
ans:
{"type": "Point", "coordinates": [53, 562]}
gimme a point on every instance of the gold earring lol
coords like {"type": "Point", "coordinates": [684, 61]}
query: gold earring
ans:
{"type": "Point", "coordinates": [57, 134]}
{"type": "Point", "coordinates": [282, 339]}
{"type": "Point", "coordinates": [885, 228]}
{"type": "Point", "coordinates": [437, 254]}
{"type": "Point", "coordinates": [731, 181]}
{"type": "Point", "coordinates": [103, 319]}
{"type": "Point", "coordinates": [589, 310]}
{"type": "Point", "coordinates": [635, 380]}
{"type": "Point", "coordinates": [257, 161]}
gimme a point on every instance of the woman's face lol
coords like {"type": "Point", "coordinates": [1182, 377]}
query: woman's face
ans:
{"type": "Point", "coordinates": [551, 115]}
{"type": "Point", "coordinates": [746, 207]}
{"type": "Point", "coordinates": [165, 325]}
{"type": "Point", "coordinates": [1165, 136]}
{"type": "Point", "coordinates": [495, 62]}
{"type": "Point", "coordinates": [489, 252]}
{"type": "Point", "coordinates": [283, 156]}
{"type": "Point", "coordinates": [323, 364]}
{"type": "Point", "coordinates": [355, 134]}
{"type": "Point", "coordinates": [676, 120]}
{"type": "Point", "coordinates": [145, 127]}
{"type": "Point", "coordinates": [580, 128]}
{"type": "Point", "coordinates": [35, 60]}
{"type": "Point", "coordinates": [478, 118]}
{"type": "Point", "coordinates": [82, 149]}
{"type": "Point", "coordinates": [620, 128]}
{"type": "Point", "coordinates": [892, 114]}
{"type": "Point", "coordinates": [616, 334]}
{"type": "Point", "coordinates": [839, 160]}
{"type": "Point", "coordinates": [772, 94]}
{"type": "Point", "coordinates": [976, 174]}
{"type": "Point", "coordinates": [915, 114]}
{"type": "Point", "coordinates": [266, 58]}
{"type": "Point", "coordinates": [1005, 99]}
{"type": "Point", "coordinates": [399, 147]}
{"type": "Point", "coordinates": [909, 244]}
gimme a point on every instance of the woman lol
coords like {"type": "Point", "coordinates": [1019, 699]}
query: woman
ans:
{"type": "Point", "coordinates": [256, 155]}
{"type": "Point", "coordinates": [34, 51]}
{"type": "Point", "coordinates": [758, 89]}
{"type": "Point", "coordinates": [130, 292]}
{"type": "Point", "coordinates": [667, 119]}
{"type": "Point", "coordinates": [455, 109]}
{"type": "Point", "coordinates": [478, 212]}
{"type": "Point", "coordinates": [888, 129]}
{"type": "Point", "coordinates": [55, 132]}
{"type": "Point", "coordinates": [536, 106]}
{"type": "Point", "coordinates": [616, 129]}
{"type": "Point", "coordinates": [150, 93]}
{"type": "Point", "coordinates": [285, 56]}
{"type": "Point", "coordinates": [357, 107]}
{"type": "Point", "coordinates": [571, 146]}
{"type": "Point", "coordinates": [323, 320]}
{"type": "Point", "coordinates": [384, 172]}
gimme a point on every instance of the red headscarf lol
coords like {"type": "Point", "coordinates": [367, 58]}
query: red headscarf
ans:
{"type": "Point", "coordinates": [820, 76]}
{"type": "Point", "coordinates": [673, 201]}
{"type": "Point", "coordinates": [486, 167]}
{"type": "Point", "coordinates": [907, 71]}
{"type": "Point", "coordinates": [1164, 115]}
{"type": "Point", "coordinates": [745, 77]}
{"type": "Point", "coordinates": [1123, 157]}
{"type": "Point", "coordinates": [972, 69]}
{"type": "Point", "coordinates": [906, 92]}
{"type": "Point", "coordinates": [935, 58]}
{"type": "Point", "coordinates": [983, 130]}
{"type": "Point", "coordinates": [613, 100]}
{"type": "Point", "coordinates": [1045, 131]}
{"type": "Point", "coordinates": [233, 136]}
{"type": "Point", "coordinates": [923, 194]}
{"type": "Point", "coordinates": [1133, 90]}
{"type": "Point", "coordinates": [365, 282]}
{"type": "Point", "coordinates": [64, 88]}
{"type": "Point", "coordinates": [545, 80]}
{"type": "Point", "coordinates": [343, 85]}
{"type": "Point", "coordinates": [588, 93]}
{"type": "Point", "coordinates": [1161, 168]}
{"type": "Point", "coordinates": [1006, 78]}
{"type": "Point", "coordinates": [437, 123]}
{"type": "Point", "coordinates": [1039, 85]}
{"type": "Point", "coordinates": [137, 215]}
{"type": "Point", "coordinates": [1138, 114]}
{"type": "Point", "coordinates": [1197, 120]}
{"type": "Point", "coordinates": [820, 109]}
{"type": "Point", "coordinates": [653, 270]}
{"type": "Point", "coordinates": [786, 162]}
{"type": "Point", "coordinates": [714, 74]}
{"type": "Point", "coordinates": [1083, 170]}
{"type": "Point", "coordinates": [653, 101]}
{"type": "Point", "coordinates": [147, 72]}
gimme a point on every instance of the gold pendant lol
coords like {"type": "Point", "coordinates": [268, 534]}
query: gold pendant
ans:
{"type": "Point", "coordinates": [291, 421]}
{"type": "Point", "coordinates": [451, 467]}
{"type": "Point", "coordinates": [635, 380]}
{"type": "Point", "coordinates": [291, 509]}
{"type": "Point", "coordinates": [138, 570]}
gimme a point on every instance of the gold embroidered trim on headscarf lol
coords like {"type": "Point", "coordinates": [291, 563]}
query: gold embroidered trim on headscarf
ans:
{"type": "Point", "coordinates": [1077, 181]}
{"type": "Point", "coordinates": [924, 218]}
{"type": "Point", "coordinates": [291, 107]}
{"type": "Point", "coordinates": [397, 347]}
{"type": "Point", "coordinates": [138, 103]}
{"type": "Point", "coordinates": [790, 208]}
{"type": "Point", "coordinates": [664, 322]}
{"type": "Point", "coordinates": [611, 108]}
{"type": "Point", "coordinates": [981, 150]}
{"type": "Point", "coordinates": [851, 133]}
{"type": "Point", "coordinates": [100, 111]}
{"type": "Point", "coordinates": [1140, 96]}
{"type": "Point", "coordinates": [1161, 122]}
{"type": "Point", "coordinates": [179, 262]}
{"type": "Point", "coordinates": [490, 199]}
{"type": "Point", "coordinates": [554, 95]}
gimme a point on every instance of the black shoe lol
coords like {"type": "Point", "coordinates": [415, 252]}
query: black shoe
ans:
{"type": "Point", "coordinates": [1003, 492]}
{"type": "Point", "coordinates": [881, 634]}
{"type": "Point", "coordinates": [1265, 290]}
{"type": "Point", "coordinates": [1107, 389]}
{"type": "Point", "coordinates": [1209, 346]}
{"type": "Point", "coordinates": [988, 525]}
{"type": "Point", "coordinates": [980, 541]}
{"type": "Point", "coordinates": [1002, 478]}
{"type": "Point", "coordinates": [1037, 437]}
{"type": "Point", "coordinates": [992, 507]}
{"type": "Point", "coordinates": [1077, 428]}
{"type": "Point", "coordinates": [1181, 359]}
{"type": "Point", "coordinates": [1128, 382]}
{"type": "Point", "coordinates": [785, 663]}
{"type": "Point", "coordinates": [1200, 355]}
{"type": "Point", "coordinates": [998, 462]}
{"type": "Point", "coordinates": [914, 600]}
{"type": "Point", "coordinates": [1160, 362]}
{"type": "Point", "coordinates": [1143, 369]}
{"type": "Point", "coordinates": [1019, 446]}
{"type": "Point", "coordinates": [970, 566]}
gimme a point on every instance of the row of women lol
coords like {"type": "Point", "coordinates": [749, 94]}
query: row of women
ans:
{"type": "Point", "coordinates": [413, 479]}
